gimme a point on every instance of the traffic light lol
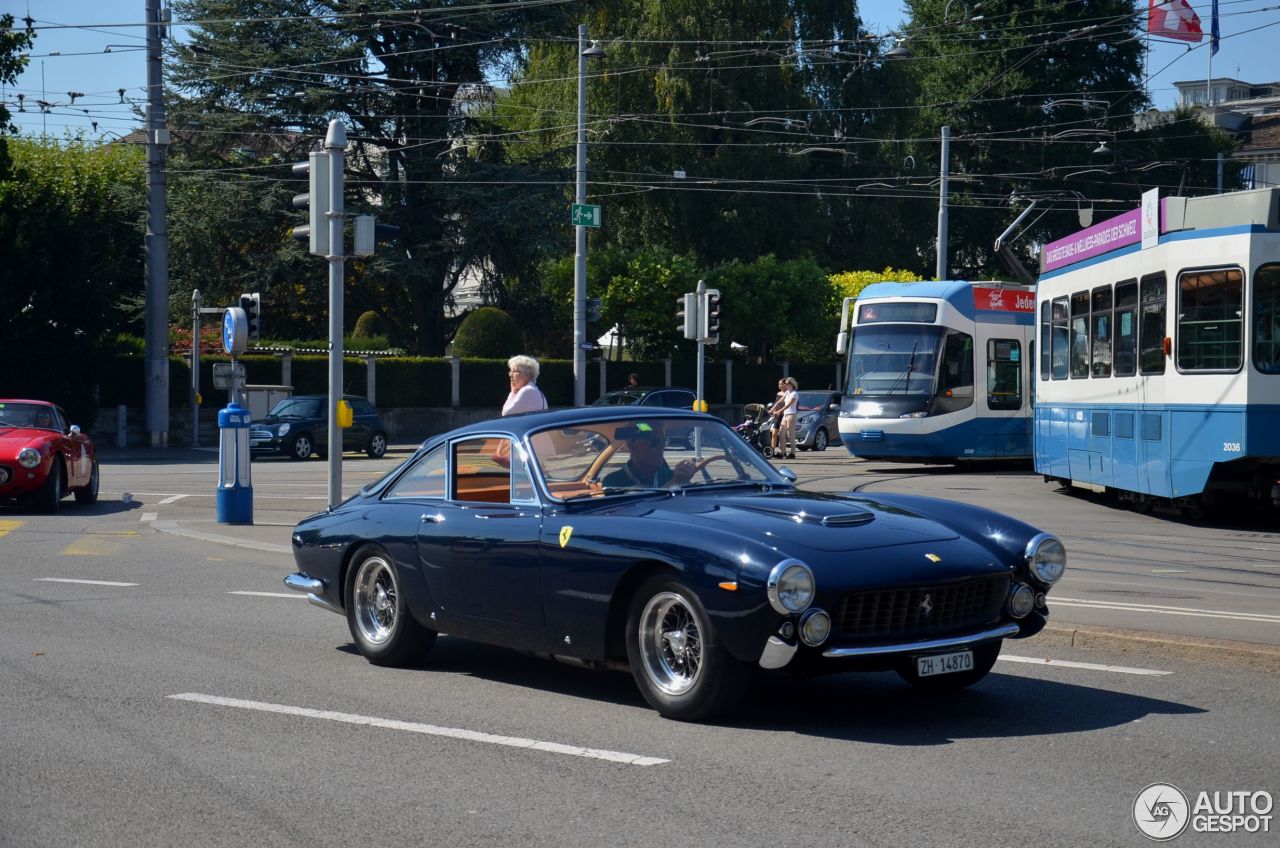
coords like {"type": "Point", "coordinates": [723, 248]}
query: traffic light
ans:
{"type": "Point", "coordinates": [251, 303]}
{"type": "Point", "coordinates": [711, 317]}
{"type": "Point", "coordinates": [316, 202]}
{"type": "Point", "coordinates": [687, 314]}
{"type": "Point", "coordinates": [369, 233]}
{"type": "Point", "coordinates": [593, 309]}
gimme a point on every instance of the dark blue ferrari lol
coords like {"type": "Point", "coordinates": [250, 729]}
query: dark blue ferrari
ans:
{"type": "Point", "coordinates": [664, 543]}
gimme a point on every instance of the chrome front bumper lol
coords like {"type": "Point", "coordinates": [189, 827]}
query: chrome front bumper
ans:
{"type": "Point", "coordinates": [300, 582]}
{"type": "Point", "coordinates": [1001, 632]}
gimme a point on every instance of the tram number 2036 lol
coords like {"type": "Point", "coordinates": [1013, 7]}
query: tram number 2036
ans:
{"type": "Point", "coordinates": [1231, 447]}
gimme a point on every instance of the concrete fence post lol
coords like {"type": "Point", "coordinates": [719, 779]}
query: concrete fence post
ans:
{"type": "Point", "coordinates": [286, 368]}
{"type": "Point", "coordinates": [455, 372]}
{"type": "Point", "coordinates": [370, 378]}
{"type": "Point", "coordinates": [666, 370]}
{"type": "Point", "coordinates": [728, 381]}
{"type": "Point", "coordinates": [122, 426]}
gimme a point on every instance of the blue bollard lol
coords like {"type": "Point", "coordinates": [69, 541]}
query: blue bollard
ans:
{"type": "Point", "coordinates": [235, 488]}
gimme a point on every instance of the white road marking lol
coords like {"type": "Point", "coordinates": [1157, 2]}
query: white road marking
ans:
{"type": "Point", "coordinates": [149, 516]}
{"type": "Point", "coordinates": [86, 582]}
{"type": "Point", "coordinates": [173, 528]}
{"type": "Point", "coordinates": [1119, 669]}
{"type": "Point", "coordinates": [426, 729]}
{"type": "Point", "coordinates": [1121, 606]}
{"type": "Point", "coordinates": [270, 594]}
{"type": "Point", "coordinates": [172, 499]}
{"type": "Point", "coordinates": [1153, 571]}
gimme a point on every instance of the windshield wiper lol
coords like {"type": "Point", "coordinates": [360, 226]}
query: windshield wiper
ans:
{"type": "Point", "coordinates": [729, 484]}
{"type": "Point", "coordinates": [620, 491]}
{"type": "Point", "coordinates": [905, 376]}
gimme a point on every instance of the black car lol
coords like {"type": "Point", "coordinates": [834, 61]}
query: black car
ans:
{"type": "Point", "coordinates": [298, 426]}
{"type": "Point", "coordinates": [671, 397]}
{"type": "Point", "coordinates": [581, 534]}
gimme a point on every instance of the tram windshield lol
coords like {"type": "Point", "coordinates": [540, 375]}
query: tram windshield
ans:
{"type": "Point", "coordinates": [888, 360]}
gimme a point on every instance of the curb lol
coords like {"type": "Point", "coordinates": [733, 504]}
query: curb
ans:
{"type": "Point", "coordinates": [1256, 656]}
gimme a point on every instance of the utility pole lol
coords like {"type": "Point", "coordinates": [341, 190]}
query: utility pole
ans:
{"type": "Point", "coordinates": [157, 240]}
{"type": "Point", "coordinates": [335, 143]}
{"type": "Point", "coordinates": [942, 203]}
{"type": "Point", "coordinates": [580, 234]}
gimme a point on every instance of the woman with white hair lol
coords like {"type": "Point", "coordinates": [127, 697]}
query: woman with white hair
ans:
{"type": "Point", "coordinates": [525, 396]}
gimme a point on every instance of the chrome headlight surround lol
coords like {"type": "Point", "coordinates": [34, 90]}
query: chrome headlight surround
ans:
{"type": "Point", "coordinates": [791, 587]}
{"type": "Point", "coordinates": [284, 428]}
{"type": "Point", "coordinates": [1046, 558]}
{"type": "Point", "coordinates": [815, 627]}
{"type": "Point", "coordinates": [28, 457]}
{"type": "Point", "coordinates": [1021, 601]}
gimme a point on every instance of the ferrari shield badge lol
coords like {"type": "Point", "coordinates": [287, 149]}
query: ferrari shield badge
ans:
{"type": "Point", "coordinates": [930, 557]}
{"type": "Point", "coordinates": [565, 533]}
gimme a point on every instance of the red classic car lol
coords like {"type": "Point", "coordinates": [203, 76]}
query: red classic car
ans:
{"type": "Point", "coordinates": [41, 458]}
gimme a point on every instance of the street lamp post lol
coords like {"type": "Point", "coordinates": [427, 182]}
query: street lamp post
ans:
{"type": "Point", "coordinates": [585, 51]}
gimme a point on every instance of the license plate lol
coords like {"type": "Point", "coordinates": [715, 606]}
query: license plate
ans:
{"type": "Point", "coordinates": [944, 663]}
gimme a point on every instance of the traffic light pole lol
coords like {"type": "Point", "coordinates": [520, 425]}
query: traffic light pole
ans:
{"type": "Point", "coordinates": [335, 144]}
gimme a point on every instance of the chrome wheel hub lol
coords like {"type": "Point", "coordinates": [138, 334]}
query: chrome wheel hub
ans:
{"type": "Point", "coordinates": [670, 643]}
{"type": "Point", "coordinates": [375, 600]}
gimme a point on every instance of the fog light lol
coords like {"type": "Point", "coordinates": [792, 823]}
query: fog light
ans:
{"type": "Point", "coordinates": [1021, 600]}
{"type": "Point", "coordinates": [815, 627]}
{"type": "Point", "coordinates": [787, 630]}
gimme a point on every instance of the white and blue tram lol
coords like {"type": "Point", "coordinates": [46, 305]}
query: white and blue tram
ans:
{"type": "Point", "coordinates": [936, 371]}
{"type": "Point", "coordinates": [1159, 352]}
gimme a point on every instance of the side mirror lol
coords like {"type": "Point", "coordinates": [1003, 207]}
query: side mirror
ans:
{"type": "Point", "coordinates": [75, 429]}
{"type": "Point", "coordinates": [788, 473]}
{"type": "Point", "coordinates": [842, 342]}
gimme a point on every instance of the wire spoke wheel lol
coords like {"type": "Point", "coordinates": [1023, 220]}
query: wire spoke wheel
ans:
{"type": "Point", "coordinates": [376, 600]}
{"type": "Point", "coordinates": [671, 643]}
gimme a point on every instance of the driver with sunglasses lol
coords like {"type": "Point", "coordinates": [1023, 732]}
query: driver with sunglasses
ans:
{"type": "Point", "coordinates": [646, 466]}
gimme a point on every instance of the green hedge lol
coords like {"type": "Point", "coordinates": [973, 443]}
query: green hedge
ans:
{"type": "Point", "coordinates": [409, 381]}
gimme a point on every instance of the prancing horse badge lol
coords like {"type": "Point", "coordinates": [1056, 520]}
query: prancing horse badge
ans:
{"type": "Point", "coordinates": [565, 533]}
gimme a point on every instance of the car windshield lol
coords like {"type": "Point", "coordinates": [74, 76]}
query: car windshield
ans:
{"type": "Point", "coordinates": [893, 359]}
{"type": "Point", "coordinates": [644, 454]}
{"type": "Point", "coordinates": [625, 397]}
{"type": "Point", "coordinates": [297, 408]}
{"type": "Point", "coordinates": [809, 401]}
{"type": "Point", "coordinates": [27, 415]}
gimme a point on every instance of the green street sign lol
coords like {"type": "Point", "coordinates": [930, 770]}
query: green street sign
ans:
{"type": "Point", "coordinates": [586, 215]}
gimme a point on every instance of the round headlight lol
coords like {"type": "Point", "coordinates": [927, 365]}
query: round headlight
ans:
{"type": "Point", "coordinates": [28, 457]}
{"type": "Point", "coordinates": [284, 428]}
{"type": "Point", "coordinates": [815, 627]}
{"type": "Point", "coordinates": [790, 587]}
{"type": "Point", "coordinates": [1021, 600]}
{"type": "Point", "coordinates": [1046, 558]}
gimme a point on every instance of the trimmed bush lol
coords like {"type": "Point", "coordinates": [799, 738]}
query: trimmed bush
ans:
{"type": "Point", "coordinates": [369, 324]}
{"type": "Point", "coordinates": [488, 333]}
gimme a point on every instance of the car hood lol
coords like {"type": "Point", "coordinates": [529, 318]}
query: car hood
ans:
{"type": "Point", "coordinates": [817, 521]}
{"type": "Point", "coordinates": [12, 441]}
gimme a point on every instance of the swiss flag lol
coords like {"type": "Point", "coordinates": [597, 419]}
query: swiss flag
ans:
{"type": "Point", "coordinates": [1173, 19]}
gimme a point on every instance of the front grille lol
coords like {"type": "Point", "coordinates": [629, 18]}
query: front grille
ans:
{"type": "Point", "coordinates": [905, 614]}
{"type": "Point", "coordinates": [257, 434]}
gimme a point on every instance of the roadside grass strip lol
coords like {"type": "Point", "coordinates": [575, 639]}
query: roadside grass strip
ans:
{"type": "Point", "coordinates": [1118, 669]}
{"type": "Point", "coordinates": [425, 729]}
{"type": "Point", "coordinates": [1121, 606]}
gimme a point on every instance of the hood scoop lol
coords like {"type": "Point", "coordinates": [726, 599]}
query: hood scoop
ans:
{"type": "Point", "coordinates": [848, 519]}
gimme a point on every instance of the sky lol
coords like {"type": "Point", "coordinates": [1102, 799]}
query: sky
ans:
{"type": "Point", "coordinates": [95, 59]}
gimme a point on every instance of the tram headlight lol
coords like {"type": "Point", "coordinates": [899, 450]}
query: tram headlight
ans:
{"type": "Point", "coordinates": [1046, 558]}
{"type": "Point", "coordinates": [920, 414]}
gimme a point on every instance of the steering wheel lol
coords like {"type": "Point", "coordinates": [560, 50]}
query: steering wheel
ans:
{"type": "Point", "coordinates": [700, 465]}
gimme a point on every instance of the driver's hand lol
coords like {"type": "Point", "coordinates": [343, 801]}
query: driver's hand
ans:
{"type": "Point", "coordinates": [683, 472]}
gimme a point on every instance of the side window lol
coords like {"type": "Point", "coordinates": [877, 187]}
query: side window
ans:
{"type": "Point", "coordinates": [955, 376]}
{"type": "Point", "coordinates": [1101, 336]}
{"type": "Point", "coordinates": [1211, 320]}
{"type": "Point", "coordinates": [1058, 342]}
{"type": "Point", "coordinates": [482, 470]}
{"type": "Point", "coordinates": [1046, 361]}
{"type": "Point", "coordinates": [361, 407]}
{"type": "Point", "coordinates": [1266, 319]}
{"type": "Point", "coordinates": [1152, 324]}
{"type": "Point", "coordinates": [1004, 374]}
{"type": "Point", "coordinates": [521, 478]}
{"type": "Point", "coordinates": [1079, 335]}
{"type": "Point", "coordinates": [1126, 328]}
{"type": "Point", "coordinates": [424, 480]}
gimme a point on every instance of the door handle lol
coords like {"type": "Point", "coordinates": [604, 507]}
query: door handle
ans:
{"type": "Point", "coordinates": [433, 519]}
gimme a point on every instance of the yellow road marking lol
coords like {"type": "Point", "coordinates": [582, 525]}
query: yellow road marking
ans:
{"type": "Point", "coordinates": [93, 546]}
{"type": "Point", "coordinates": [8, 526]}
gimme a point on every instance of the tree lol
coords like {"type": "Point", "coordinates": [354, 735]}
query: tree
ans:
{"type": "Point", "coordinates": [488, 333]}
{"type": "Point", "coordinates": [266, 76]}
{"type": "Point", "coordinates": [12, 63]}
{"type": "Point", "coordinates": [71, 233]}
{"type": "Point", "coordinates": [778, 309]}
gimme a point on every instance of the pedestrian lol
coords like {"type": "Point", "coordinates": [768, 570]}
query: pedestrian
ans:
{"type": "Point", "coordinates": [775, 417]}
{"type": "Point", "coordinates": [525, 396]}
{"type": "Point", "coordinates": [790, 407]}
{"type": "Point", "coordinates": [633, 380]}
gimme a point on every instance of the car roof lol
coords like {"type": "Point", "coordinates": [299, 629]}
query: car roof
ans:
{"type": "Point", "coordinates": [528, 422]}
{"type": "Point", "coordinates": [25, 400]}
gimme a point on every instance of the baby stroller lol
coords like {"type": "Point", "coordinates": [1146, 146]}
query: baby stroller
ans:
{"type": "Point", "coordinates": [753, 428]}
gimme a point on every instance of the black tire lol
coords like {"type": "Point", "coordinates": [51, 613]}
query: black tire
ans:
{"type": "Point", "coordinates": [301, 446]}
{"type": "Point", "coordinates": [88, 494]}
{"type": "Point", "coordinates": [821, 439]}
{"type": "Point", "coordinates": [984, 657]}
{"type": "Point", "coordinates": [384, 630]}
{"type": "Point", "coordinates": [678, 664]}
{"type": "Point", "coordinates": [49, 495]}
{"type": "Point", "coordinates": [377, 445]}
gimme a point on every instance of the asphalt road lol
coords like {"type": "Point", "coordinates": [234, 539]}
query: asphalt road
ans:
{"type": "Point", "coordinates": [186, 697]}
